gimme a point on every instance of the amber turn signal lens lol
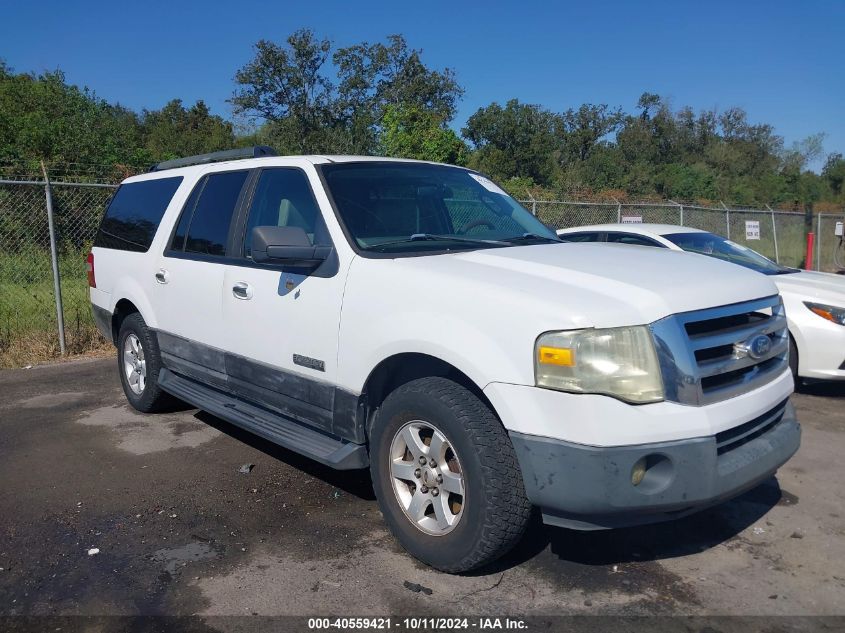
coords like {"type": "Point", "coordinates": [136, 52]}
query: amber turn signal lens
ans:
{"type": "Point", "coordinates": [556, 356]}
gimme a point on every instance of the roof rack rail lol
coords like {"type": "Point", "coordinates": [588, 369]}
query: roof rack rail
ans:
{"type": "Point", "coordinates": [215, 157]}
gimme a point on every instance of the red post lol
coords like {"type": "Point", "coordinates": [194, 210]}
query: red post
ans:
{"type": "Point", "coordinates": [808, 261]}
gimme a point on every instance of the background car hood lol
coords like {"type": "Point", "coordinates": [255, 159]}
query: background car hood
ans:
{"type": "Point", "coordinates": [599, 285]}
{"type": "Point", "coordinates": [813, 286]}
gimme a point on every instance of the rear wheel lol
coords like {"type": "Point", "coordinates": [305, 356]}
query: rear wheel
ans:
{"type": "Point", "coordinates": [139, 364]}
{"type": "Point", "coordinates": [446, 476]}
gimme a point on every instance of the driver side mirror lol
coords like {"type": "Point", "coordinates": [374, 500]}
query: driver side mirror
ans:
{"type": "Point", "coordinates": [286, 245]}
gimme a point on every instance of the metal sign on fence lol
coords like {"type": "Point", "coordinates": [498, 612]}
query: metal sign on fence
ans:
{"type": "Point", "coordinates": [752, 229]}
{"type": "Point", "coordinates": [632, 219]}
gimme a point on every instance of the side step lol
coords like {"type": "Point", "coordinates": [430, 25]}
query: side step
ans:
{"type": "Point", "coordinates": [271, 426]}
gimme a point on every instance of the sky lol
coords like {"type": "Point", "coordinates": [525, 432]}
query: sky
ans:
{"type": "Point", "coordinates": [782, 61]}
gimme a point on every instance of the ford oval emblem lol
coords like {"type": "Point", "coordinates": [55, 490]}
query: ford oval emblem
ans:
{"type": "Point", "coordinates": [759, 346]}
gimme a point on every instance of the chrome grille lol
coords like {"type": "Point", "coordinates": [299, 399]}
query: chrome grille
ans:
{"type": "Point", "coordinates": [711, 355]}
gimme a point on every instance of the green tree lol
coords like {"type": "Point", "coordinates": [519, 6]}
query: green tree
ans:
{"type": "Point", "coordinates": [175, 131]}
{"type": "Point", "coordinates": [307, 109]}
{"type": "Point", "coordinates": [515, 141]}
{"type": "Point", "coordinates": [375, 77]}
{"type": "Point", "coordinates": [412, 132]}
{"type": "Point", "coordinates": [287, 87]}
{"type": "Point", "coordinates": [42, 117]}
{"type": "Point", "coordinates": [834, 174]}
{"type": "Point", "coordinates": [584, 128]}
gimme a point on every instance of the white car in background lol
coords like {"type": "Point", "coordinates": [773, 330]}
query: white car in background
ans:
{"type": "Point", "coordinates": [814, 301]}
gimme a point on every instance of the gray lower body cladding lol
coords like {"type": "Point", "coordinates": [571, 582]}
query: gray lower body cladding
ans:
{"type": "Point", "coordinates": [589, 487]}
{"type": "Point", "coordinates": [102, 319]}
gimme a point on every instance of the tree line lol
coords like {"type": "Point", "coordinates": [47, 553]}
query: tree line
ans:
{"type": "Point", "coordinates": [303, 95]}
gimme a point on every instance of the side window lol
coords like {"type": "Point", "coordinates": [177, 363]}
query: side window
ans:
{"type": "Point", "coordinates": [580, 237]}
{"type": "Point", "coordinates": [178, 243]}
{"type": "Point", "coordinates": [630, 238]}
{"type": "Point", "coordinates": [134, 213]}
{"type": "Point", "coordinates": [204, 225]}
{"type": "Point", "coordinates": [283, 197]}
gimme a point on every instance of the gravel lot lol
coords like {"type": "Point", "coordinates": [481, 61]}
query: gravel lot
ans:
{"type": "Point", "coordinates": [181, 531]}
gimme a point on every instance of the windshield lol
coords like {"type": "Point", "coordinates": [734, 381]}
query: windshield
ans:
{"type": "Point", "coordinates": [721, 248]}
{"type": "Point", "coordinates": [394, 207]}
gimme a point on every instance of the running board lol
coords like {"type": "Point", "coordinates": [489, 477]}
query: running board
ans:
{"type": "Point", "coordinates": [271, 426]}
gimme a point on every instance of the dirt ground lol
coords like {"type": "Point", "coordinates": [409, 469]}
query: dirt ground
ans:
{"type": "Point", "coordinates": [180, 530]}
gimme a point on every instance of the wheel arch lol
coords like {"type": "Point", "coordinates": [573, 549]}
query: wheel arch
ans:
{"type": "Point", "coordinates": [129, 296]}
{"type": "Point", "coordinates": [122, 309]}
{"type": "Point", "coordinates": [797, 338]}
{"type": "Point", "coordinates": [399, 369]}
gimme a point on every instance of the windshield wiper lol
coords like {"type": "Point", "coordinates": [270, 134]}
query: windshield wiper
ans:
{"type": "Point", "coordinates": [532, 236]}
{"type": "Point", "coordinates": [425, 237]}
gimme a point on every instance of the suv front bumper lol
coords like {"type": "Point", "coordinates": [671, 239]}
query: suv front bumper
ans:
{"type": "Point", "coordinates": [590, 487]}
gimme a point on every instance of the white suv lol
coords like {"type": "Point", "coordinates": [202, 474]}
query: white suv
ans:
{"type": "Point", "coordinates": [413, 318]}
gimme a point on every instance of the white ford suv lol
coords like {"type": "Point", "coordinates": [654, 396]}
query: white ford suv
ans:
{"type": "Point", "coordinates": [413, 318]}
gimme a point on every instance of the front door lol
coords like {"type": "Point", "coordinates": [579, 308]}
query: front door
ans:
{"type": "Point", "coordinates": [281, 324]}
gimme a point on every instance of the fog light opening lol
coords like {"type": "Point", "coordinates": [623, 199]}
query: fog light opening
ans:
{"type": "Point", "coordinates": [652, 473]}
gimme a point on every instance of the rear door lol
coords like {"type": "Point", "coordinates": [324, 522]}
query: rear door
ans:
{"type": "Point", "coordinates": [189, 278]}
{"type": "Point", "coordinates": [281, 323]}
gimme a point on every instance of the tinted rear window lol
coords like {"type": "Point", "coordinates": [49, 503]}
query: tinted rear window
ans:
{"type": "Point", "coordinates": [133, 215]}
{"type": "Point", "coordinates": [630, 238]}
{"type": "Point", "coordinates": [580, 237]}
{"type": "Point", "coordinates": [208, 214]}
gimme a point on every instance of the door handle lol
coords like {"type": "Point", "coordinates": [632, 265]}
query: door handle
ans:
{"type": "Point", "coordinates": [242, 290]}
{"type": "Point", "coordinates": [162, 276]}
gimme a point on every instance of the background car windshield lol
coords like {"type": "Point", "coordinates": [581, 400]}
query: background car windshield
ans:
{"type": "Point", "coordinates": [721, 248]}
{"type": "Point", "coordinates": [383, 204]}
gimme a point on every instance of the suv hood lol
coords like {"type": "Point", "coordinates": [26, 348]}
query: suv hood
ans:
{"type": "Point", "coordinates": [597, 285]}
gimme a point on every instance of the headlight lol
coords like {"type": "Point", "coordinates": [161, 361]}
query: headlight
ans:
{"type": "Point", "coordinates": [619, 362]}
{"type": "Point", "coordinates": [831, 313]}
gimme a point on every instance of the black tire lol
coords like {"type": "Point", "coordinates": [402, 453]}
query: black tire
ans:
{"type": "Point", "coordinates": [151, 399]}
{"type": "Point", "coordinates": [496, 510]}
{"type": "Point", "coordinates": [793, 360]}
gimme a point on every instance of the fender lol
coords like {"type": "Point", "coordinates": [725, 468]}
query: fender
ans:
{"type": "Point", "coordinates": [128, 288]}
{"type": "Point", "coordinates": [451, 340]}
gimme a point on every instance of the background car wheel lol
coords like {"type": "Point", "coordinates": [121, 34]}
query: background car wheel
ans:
{"type": "Point", "coordinates": [139, 364]}
{"type": "Point", "coordinates": [446, 476]}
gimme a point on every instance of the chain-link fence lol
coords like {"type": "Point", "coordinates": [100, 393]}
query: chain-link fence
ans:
{"type": "Point", "coordinates": [32, 269]}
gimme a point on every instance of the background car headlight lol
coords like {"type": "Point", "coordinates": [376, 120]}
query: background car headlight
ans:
{"type": "Point", "coordinates": [831, 313]}
{"type": "Point", "coordinates": [619, 362]}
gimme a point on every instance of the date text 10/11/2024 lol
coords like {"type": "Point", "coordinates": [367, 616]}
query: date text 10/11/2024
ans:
{"type": "Point", "coordinates": [416, 623]}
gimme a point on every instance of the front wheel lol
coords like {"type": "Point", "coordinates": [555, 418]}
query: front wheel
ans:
{"type": "Point", "coordinates": [446, 476]}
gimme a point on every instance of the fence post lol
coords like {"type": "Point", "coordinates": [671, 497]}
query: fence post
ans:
{"type": "Point", "coordinates": [727, 219]}
{"type": "Point", "coordinates": [680, 212]}
{"type": "Point", "coordinates": [533, 205]}
{"type": "Point", "coordinates": [54, 258]}
{"type": "Point", "coordinates": [618, 210]}
{"type": "Point", "coordinates": [819, 242]}
{"type": "Point", "coordinates": [774, 234]}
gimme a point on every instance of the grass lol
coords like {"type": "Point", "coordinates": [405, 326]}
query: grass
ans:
{"type": "Point", "coordinates": [28, 330]}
